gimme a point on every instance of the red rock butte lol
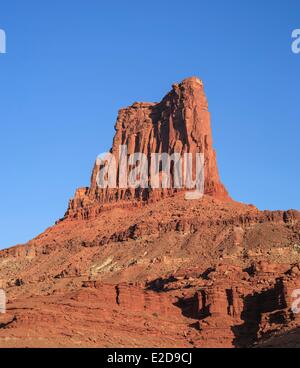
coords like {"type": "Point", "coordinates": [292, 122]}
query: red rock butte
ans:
{"type": "Point", "coordinates": [179, 123]}
{"type": "Point", "coordinates": [127, 268]}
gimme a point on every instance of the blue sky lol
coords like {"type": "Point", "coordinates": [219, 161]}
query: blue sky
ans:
{"type": "Point", "coordinates": [70, 65]}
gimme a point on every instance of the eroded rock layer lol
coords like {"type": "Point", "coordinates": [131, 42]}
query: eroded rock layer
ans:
{"type": "Point", "coordinates": [226, 306]}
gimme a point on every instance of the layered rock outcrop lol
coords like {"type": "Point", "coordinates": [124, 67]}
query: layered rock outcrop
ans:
{"type": "Point", "coordinates": [235, 307]}
{"type": "Point", "coordinates": [180, 123]}
{"type": "Point", "coordinates": [226, 306]}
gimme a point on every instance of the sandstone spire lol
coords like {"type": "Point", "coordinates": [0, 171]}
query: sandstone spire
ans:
{"type": "Point", "coordinates": [179, 123]}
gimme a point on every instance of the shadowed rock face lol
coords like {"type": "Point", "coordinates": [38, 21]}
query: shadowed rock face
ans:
{"type": "Point", "coordinates": [180, 123]}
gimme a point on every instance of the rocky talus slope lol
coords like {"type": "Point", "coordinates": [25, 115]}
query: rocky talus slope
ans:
{"type": "Point", "coordinates": [149, 268]}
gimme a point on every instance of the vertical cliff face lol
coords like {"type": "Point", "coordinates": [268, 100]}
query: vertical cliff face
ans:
{"type": "Point", "coordinates": [180, 123]}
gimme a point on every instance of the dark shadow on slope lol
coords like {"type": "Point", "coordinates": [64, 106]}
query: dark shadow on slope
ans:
{"type": "Point", "coordinates": [268, 301]}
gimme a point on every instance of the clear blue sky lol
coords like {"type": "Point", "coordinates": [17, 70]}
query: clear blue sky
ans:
{"type": "Point", "coordinates": [70, 65]}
